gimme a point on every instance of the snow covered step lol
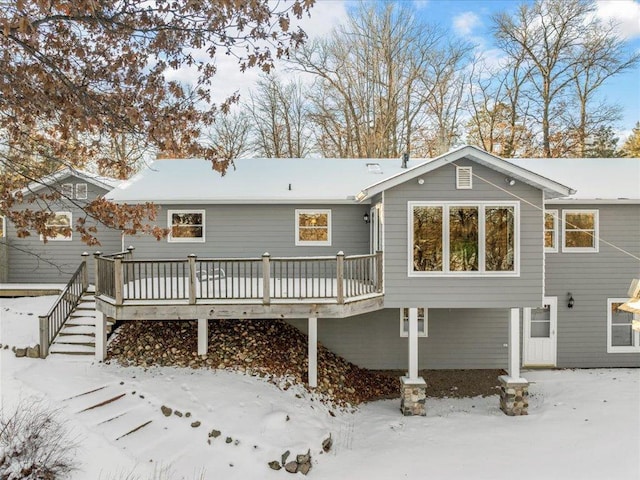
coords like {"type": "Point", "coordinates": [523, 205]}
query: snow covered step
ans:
{"type": "Point", "coordinates": [80, 320]}
{"type": "Point", "coordinates": [72, 349]}
{"type": "Point", "coordinates": [78, 330]}
{"type": "Point", "coordinates": [75, 339]}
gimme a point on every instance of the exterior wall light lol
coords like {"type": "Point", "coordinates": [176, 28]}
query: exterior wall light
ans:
{"type": "Point", "coordinates": [571, 300]}
{"type": "Point", "coordinates": [510, 181]}
{"type": "Point", "coordinates": [421, 181]}
{"type": "Point", "coordinates": [365, 217]}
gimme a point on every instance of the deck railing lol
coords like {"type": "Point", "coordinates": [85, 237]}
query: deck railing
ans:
{"type": "Point", "coordinates": [51, 323]}
{"type": "Point", "coordinates": [256, 279]}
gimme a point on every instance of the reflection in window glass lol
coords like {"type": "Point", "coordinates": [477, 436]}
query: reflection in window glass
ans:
{"type": "Point", "coordinates": [313, 227]}
{"type": "Point", "coordinates": [186, 225]}
{"type": "Point", "coordinates": [59, 227]}
{"type": "Point", "coordinates": [499, 239]}
{"type": "Point", "coordinates": [580, 229]}
{"type": "Point", "coordinates": [463, 239]}
{"type": "Point", "coordinates": [427, 232]}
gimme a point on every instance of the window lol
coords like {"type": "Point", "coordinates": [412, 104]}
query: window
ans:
{"type": "Point", "coordinates": [67, 190]}
{"type": "Point", "coordinates": [464, 178]}
{"type": "Point", "coordinates": [474, 239]}
{"type": "Point", "coordinates": [81, 191]}
{"type": "Point", "coordinates": [186, 225]}
{"type": "Point", "coordinates": [580, 232]}
{"type": "Point", "coordinates": [423, 322]}
{"type": "Point", "coordinates": [313, 227]}
{"type": "Point", "coordinates": [551, 231]}
{"type": "Point", "coordinates": [621, 338]}
{"type": "Point", "coordinates": [61, 227]}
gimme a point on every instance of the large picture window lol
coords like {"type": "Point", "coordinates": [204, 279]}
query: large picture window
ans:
{"type": "Point", "coordinates": [551, 231]}
{"type": "Point", "coordinates": [580, 230]}
{"type": "Point", "coordinates": [186, 225]}
{"type": "Point", "coordinates": [475, 239]}
{"type": "Point", "coordinates": [313, 227]}
{"type": "Point", "coordinates": [621, 338]}
{"type": "Point", "coordinates": [59, 227]}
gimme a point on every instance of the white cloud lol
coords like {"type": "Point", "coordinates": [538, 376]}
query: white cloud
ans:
{"type": "Point", "coordinates": [626, 13]}
{"type": "Point", "coordinates": [420, 4]}
{"type": "Point", "coordinates": [464, 23]}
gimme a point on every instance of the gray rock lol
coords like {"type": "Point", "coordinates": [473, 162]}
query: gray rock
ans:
{"type": "Point", "coordinates": [33, 352]}
{"type": "Point", "coordinates": [228, 440]}
{"type": "Point", "coordinates": [166, 411]}
{"type": "Point", "coordinates": [214, 433]}
{"type": "Point", "coordinates": [21, 352]}
{"type": "Point", "coordinates": [304, 468]}
{"type": "Point", "coordinates": [327, 443]}
{"type": "Point", "coordinates": [291, 467]}
{"type": "Point", "coordinates": [304, 458]}
{"type": "Point", "coordinates": [177, 413]}
{"type": "Point", "coordinates": [274, 465]}
{"type": "Point", "coordinates": [195, 424]}
{"type": "Point", "coordinates": [285, 455]}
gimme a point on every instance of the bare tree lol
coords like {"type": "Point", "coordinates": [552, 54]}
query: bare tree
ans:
{"type": "Point", "coordinates": [229, 135]}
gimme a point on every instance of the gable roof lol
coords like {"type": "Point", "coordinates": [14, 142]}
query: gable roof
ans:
{"type": "Point", "coordinates": [254, 180]}
{"type": "Point", "coordinates": [597, 180]}
{"type": "Point", "coordinates": [105, 183]}
{"type": "Point", "coordinates": [551, 188]}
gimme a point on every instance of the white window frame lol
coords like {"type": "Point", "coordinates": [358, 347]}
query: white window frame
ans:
{"type": "Point", "coordinates": [635, 348]}
{"type": "Point", "coordinates": [61, 239]}
{"type": "Point", "coordinates": [170, 237]}
{"type": "Point", "coordinates": [460, 186]}
{"type": "Point", "coordinates": [69, 190]}
{"type": "Point", "coordinates": [79, 194]}
{"type": "Point", "coordinates": [425, 324]}
{"type": "Point", "coordinates": [312, 211]}
{"type": "Point", "coordinates": [596, 231]}
{"type": "Point", "coordinates": [554, 232]}
{"type": "Point", "coordinates": [481, 205]}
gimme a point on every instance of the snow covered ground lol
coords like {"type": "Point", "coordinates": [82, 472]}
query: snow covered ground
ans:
{"type": "Point", "coordinates": [582, 424]}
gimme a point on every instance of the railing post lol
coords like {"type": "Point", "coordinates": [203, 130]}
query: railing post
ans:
{"type": "Point", "coordinates": [340, 276]}
{"type": "Point", "coordinates": [85, 272]}
{"type": "Point", "coordinates": [266, 278]}
{"type": "Point", "coordinates": [96, 272]}
{"type": "Point", "coordinates": [380, 277]}
{"type": "Point", "coordinates": [130, 250]}
{"type": "Point", "coordinates": [44, 336]}
{"type": "Point", "coordinates": [192, 278]}
{"type": "Point", "coordinates": [118, 278]}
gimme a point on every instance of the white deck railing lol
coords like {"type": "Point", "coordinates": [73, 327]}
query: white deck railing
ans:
{"type": "Point", "coordinates": [341, 278]}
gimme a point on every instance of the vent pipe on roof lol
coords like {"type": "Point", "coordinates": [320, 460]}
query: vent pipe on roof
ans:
{"type": "Point", "coordinates": [405, 160]}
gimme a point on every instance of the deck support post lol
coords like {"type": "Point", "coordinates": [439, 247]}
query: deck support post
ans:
{"type": "Point", "coordinates": [412, 387]}
{"type": "Point", "coordinates": [203, 336]}
{"type": "Point", "coordinates": [101, 336]}
{"type": "Point", "coordinates": [85, 272]}
{"type": "Point", "coordinates": [313, 351]}
{"type": "Point", "coordinates": [413, 343]}
{"type": "Point", "coordinates": [514, 390]}
{"type": "Point", "coordinates": [340, 277]}
{"type": "Point", "coordinates": [266, 278]}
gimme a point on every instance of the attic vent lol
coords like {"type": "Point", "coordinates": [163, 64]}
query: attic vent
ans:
{"type": "Point", "coordinates": [374, 168]}
{"type": "Point", "coordinates": [464, 178]}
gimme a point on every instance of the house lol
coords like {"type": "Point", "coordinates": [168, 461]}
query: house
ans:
{"type": "Point", "coordinates": [32, 260]}
{"type": "Point", "coordinates": [466, 260]}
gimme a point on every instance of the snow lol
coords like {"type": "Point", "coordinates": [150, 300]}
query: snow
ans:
{"type": "Point", "coordinates": [582, 424]}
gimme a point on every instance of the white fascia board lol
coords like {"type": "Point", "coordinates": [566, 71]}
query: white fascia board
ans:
{"type": "Point", "coordinates": [593, 201]}
{"type": "Point", "coordinates": [104, 182]}
{"type": "Point", "coordinates": [241, 201]}
{"type": "Point", "coordinates": [550, 187]}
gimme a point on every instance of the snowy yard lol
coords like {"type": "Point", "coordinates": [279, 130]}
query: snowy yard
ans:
{"type": "Point", "coordinates": [583, 424]}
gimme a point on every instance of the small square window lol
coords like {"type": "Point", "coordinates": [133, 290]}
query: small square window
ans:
{"type": "Point", "coordinates": [551, 231]}
{"type": "Point", "coordinates": [423, 322]}
{"type": "Point", "coordinates": [187, 226]}
{"type": "Point", "coordinates": [313, 227]}
{"type": "Point", "coordinates": [81, 191]}
{"type": "Point", "coordinates": [67, 190]}
{"type": "Point", "coordinates": [580, 231]}
{"type": "Point", "coordinates": [60, 226]}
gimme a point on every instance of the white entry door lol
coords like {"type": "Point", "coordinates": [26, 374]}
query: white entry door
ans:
{"type": "Point", "coordinates": [539, 334]}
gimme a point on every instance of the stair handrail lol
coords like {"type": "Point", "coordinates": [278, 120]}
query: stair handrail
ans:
{"type": "Point", "coordinates": [67, 301]}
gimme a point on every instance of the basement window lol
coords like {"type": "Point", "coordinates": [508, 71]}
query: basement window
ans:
{"type": "Point", "coordinates": [423, 330]}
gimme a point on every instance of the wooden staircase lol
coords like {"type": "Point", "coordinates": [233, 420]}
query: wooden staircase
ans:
{"type": "Point", "coordinates": [77, 335]}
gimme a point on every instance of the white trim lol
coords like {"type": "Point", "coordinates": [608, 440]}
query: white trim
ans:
{"type": "Point", "coordinates": [83, 195]}
{"type": "Point", "coordinates": [170, 237]}
{"type": "Point", "coordinates": [464, 178]}
{"type": "Point", "coordinates": [635, 348]}
{"type": "Point", "coordinates": [553, 332]}
{"type": "Point", "coordinates": [481, 238]}
{"type": "Point", "coordinates": [596, 231]}
{"type": "Point", "coordinates": [309, 211]}
{"type": "Point", "coordinates": [556, 237]}
{"type": "Point", "coordinates": [514, 343]}
{"type": "Point", "coordinates": [3, 226]}
{"type": "Point", "coordinates": [58, 238]}
{"type": "Point", "coordinates": [413, 343]}
{"type": "Point", "coordinates": [425, 322]}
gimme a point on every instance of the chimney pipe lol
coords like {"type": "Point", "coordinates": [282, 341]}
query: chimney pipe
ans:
{"type": "Point", "coordinates": [405, 160]}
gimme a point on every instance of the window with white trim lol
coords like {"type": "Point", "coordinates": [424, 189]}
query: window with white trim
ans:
{"type": "Point", "coordinates": [423, 322]}
{"type": "Point", "coordinates": [186, 225]}
{"type": "Point", "coordinates": [621, 338]}
{"type": "Point", "coordinates": [81, 191]}
{"type": "Point", "coordinates": [313, 227]}
{"type": "Point", "coordinates": [60, 227]}
{"type": "Point", "coordinates": [477, 238]}
{"type": "Point", "coordinates": [67, 190]}
{"type": "Point", "coordinates": [551, 231]}
{"type": "Point", "coordinates": [580, 231]}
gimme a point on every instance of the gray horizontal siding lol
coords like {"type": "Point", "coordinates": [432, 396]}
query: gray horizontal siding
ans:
{"type": "Point", "coordinates": [251, 230]}
{"type": "Point", "coordinates": [592, 278]}
{"type": "Point", "coordinates": [457, 339]}
{"type": "Point", "coordinates": [457, 292]}
{"type": "Point", "coordinates": [30, 260]}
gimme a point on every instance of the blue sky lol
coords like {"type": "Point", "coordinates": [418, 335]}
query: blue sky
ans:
{"type": "Point", "coordinates": [469, 19]}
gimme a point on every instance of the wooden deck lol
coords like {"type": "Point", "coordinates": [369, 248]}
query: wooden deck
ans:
{"type": "Point", "coordinates": [266, 287]}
